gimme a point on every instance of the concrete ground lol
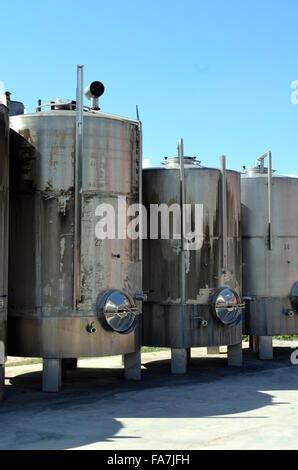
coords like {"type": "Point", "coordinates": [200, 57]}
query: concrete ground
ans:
{"type": "Point", "coordinates": [212, 407]}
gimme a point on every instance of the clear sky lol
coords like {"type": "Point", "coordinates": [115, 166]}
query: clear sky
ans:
{"type": "Point", "coordinates": [216, 72]}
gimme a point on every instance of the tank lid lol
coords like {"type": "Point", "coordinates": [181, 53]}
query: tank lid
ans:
{"type": "Point", "coordinates": [174, 162]}
{"type": "Point", "coordinates": [255, 171]}
{"type": "Point", "coordinates": [259, 169]}
{"type": "Point", "coordinates": [60, 104]}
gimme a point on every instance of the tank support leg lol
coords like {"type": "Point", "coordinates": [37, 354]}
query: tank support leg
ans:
{"type": "Point", "coordinates": [179, 360]}
{"type": "Point", "coordinates": [213, 350]}
{"type": "Point", "coordinates": [132, 365]}
{"type": "Point", "coordinates": [235, 355]}
{"type": "Point", "coordinates": [52, 375]}
{"type": "Point", "coordinates": [265, 347]}
{"type": "Point", "coordinates": [2, 381]}
{"type": "Point", "coordinates": [251, 342]}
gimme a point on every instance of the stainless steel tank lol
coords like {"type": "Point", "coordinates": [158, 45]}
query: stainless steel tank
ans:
{"type": "Point", "coordinates": [270, 254]}
{"type": "Point", "coordinates": [72, 294]}
{"type": "Point", "coordinates": [194, 294]}
{"type": "Point", "coordinates": [4, 203]}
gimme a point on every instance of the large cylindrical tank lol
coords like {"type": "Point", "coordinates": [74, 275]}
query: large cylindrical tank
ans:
{"type": "Point", "coordinates": [43, 321]}
{"type": "Point", "coordinates": [4, 203]}
{"type": "Point", "coordinates": [270, 254]}
{"type": "Point", "coordinates": [210, 281]}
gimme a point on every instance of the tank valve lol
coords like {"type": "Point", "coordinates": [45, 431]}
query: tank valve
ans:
{"type": "Point", "coordinates": [142, 296]}
{"type": "Point", "coordinates": [290, 313]}
{"type": "Point", "coordinates": [91, 328]}
{"type": "Point", "coordinates": [202, 322]}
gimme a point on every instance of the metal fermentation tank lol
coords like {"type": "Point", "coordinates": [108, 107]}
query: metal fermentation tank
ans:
{"type": "Point", "coordinates": [194, 295]}
{"type": "Point", "coordinates": [4, 203]}
{"type": "Point", "coordinates": [72, 294]}
{"type": "Point", "coordinates": [270, 254]}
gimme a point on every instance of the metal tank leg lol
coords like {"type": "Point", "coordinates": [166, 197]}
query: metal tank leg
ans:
{"type": "Point", "coordinates": [251, 342]}
{"type": "Point", "coordinates": [52, 375]}
{"type": "Point", "coordinates": [132, 365]}
{"type": "Point", "coordinates": [179, 360]}
{"type": "Point", "coordinates": [265, 347]}
{"type": "Point", "coordinates": [213, 350]}
{"type": "Point", "coordinates": [2, 381]}
{"type": "Point", "coordinates": [235, 355]}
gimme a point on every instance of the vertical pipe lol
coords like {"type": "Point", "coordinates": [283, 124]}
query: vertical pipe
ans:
{"type": "Point", "coordinates": [183, 225]}
{"type": "Point", "coordinates": [224, 216]}
{"type": "Point", "coordinates": [4, 238]}
{"type": "Point", "coordinates": [262, 170]}
{"type": "Point", "coordinates": [270, 201]}
{"type": "Point", "coordinates": [95, 103]}
{"type": "Point", "coordinates": [141, 215]}
{"type": "Point", "coordinates": [78, 186]}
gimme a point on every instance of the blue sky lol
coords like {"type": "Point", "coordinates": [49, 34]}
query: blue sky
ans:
{"type": "Point", "coordinates": [216, 72]}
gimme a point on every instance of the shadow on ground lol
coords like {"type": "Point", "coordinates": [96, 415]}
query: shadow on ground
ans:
{"type": "Point", "coordinates": [93, 401]}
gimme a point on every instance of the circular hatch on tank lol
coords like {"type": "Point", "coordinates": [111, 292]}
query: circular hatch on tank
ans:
{"type": "Point", "coordinates": [227, 306]}
{"type": "Point", "coordinates": [117, 310]}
